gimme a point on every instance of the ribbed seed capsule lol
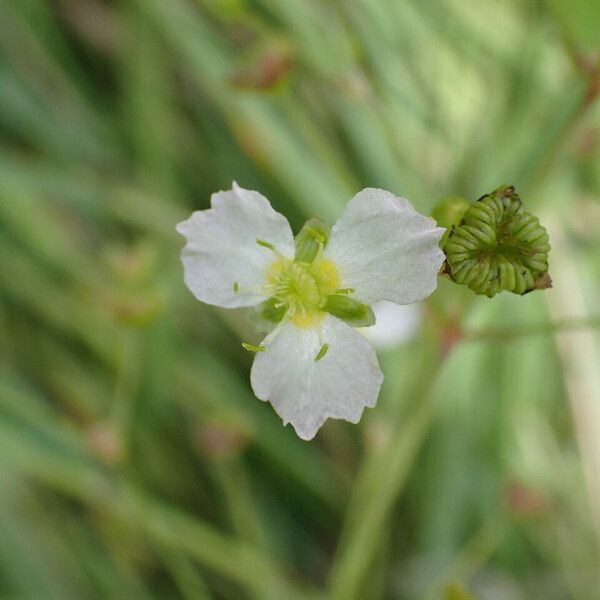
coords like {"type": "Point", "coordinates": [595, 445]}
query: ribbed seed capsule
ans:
{"type": "Point", "coordinates": [498, 246]}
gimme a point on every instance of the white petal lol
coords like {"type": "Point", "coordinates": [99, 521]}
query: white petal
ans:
{"type": "Point", "coordinates": [385, 249]}
{"type": "Point", "coordinates": [394, 324]}
{"type": "Point", "coordinates": [221, 247]}
{"type": "Point", "coordinates": [305, 392]}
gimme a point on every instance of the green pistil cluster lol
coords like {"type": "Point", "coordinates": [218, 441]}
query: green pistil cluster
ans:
{"type": "Point", "coordinates": [300, 289]}
{"type": "Point", "coordinates": [498, 246]}
{"type": "Point", "coordinates": [306, 287]}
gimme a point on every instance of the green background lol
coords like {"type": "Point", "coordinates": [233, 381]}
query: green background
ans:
{"type": "Point", "coordinates": [134, 460]}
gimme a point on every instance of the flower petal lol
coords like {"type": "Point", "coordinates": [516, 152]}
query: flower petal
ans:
{"type": "Point", "coordinates": [395, 324]}
{"type": "Point", "coordinates": [306, 392]}
{"type": "Point", "coordinates": [221, 249]}
{"type": "Point", "coordinates": [385, 249]}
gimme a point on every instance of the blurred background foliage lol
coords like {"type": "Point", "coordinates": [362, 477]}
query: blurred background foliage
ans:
{"type": "Point", "coordinates": [134, 460]}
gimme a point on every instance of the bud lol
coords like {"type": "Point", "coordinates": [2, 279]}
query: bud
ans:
{"type": "Point", "coordinates": [448, 213]}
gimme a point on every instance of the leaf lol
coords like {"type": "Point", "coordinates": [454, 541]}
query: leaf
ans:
{"type": "Point", "coordinates": [580, 21]}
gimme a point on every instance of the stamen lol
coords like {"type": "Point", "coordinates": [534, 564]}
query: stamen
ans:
{"type": "Point", "coordinates": [322, 352]}
{"type": "Point", "coordinates": [265, 244]}
{"type": "Point", "coordinates": [269, 246]}
{"type": "Point", "coordinates": [316, 234]}
{"type": "Point", "coordinates": [248, 289]}
{"type": "Point", "coordinates": [253, 348]}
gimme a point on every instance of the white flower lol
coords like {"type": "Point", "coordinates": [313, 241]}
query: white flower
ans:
{"type": "Point", "coordinates": [313, 365]}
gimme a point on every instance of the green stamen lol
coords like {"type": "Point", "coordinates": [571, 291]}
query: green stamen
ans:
{"type": "Point", "coordinates": [265, 244]}
{"type": "Point", "coordinates": [322, 352]}
{"type": "Point", "coordinates": [311, 239]}
{"type": "Point", "coordinates": [253, 348]}
{"type": "Point", "coordinates": [318, 235]}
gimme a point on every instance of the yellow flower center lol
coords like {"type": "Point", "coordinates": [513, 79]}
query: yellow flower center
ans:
{"type": "Point", "coordinates": [302, 288]}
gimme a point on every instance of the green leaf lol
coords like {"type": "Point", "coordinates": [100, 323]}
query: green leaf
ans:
{"type": "Point", "coordinates": [580, 21]}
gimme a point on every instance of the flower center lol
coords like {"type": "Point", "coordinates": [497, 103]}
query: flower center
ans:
{"type": "Point", "coordinates": [302, 288]}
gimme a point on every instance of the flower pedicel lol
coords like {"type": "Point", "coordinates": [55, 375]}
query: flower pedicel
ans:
{"type": "Point", "coordinates": [314, 289]}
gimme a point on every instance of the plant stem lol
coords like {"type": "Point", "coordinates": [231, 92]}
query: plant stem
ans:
{"type": "Point", "coordinates": [525, 330]}
{"type": "Point", "coordinates": [378, 485]}
{"type": "Point", "coordinates": [475, 553]}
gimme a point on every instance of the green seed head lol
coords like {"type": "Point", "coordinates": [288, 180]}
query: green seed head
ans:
{"type": "Point", "coordinates": [498, 246]}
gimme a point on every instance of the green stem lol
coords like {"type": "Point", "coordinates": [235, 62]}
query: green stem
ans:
{"type": "Point", "coordinates": [185, 575]}
{"type": "Point", "coordinates": [567, 123]}
{"type": "Point", "coordinates": [127, 379]}
{"type": "Point", "coordinates": [525, 330]}
{"type": "Point", "coordinates": [380, 481]}
{"type": "Point", "coordinates": [175, 529]}
{"type": "Point", "coordinates": [475, 553]}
